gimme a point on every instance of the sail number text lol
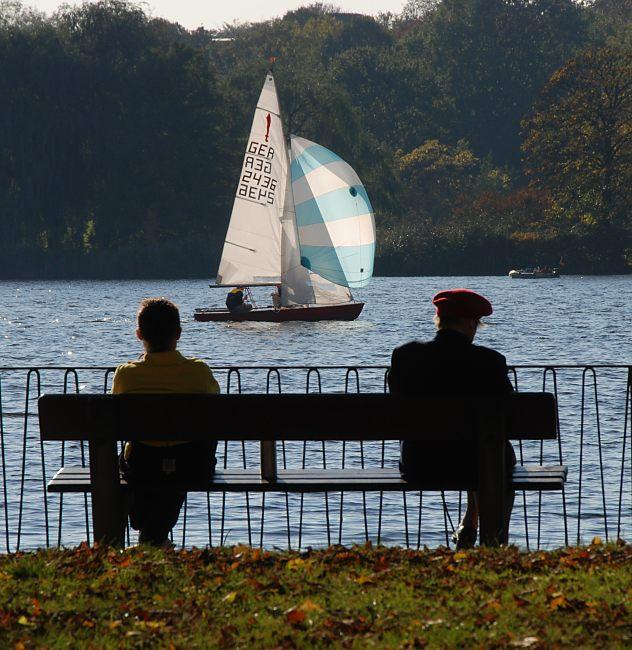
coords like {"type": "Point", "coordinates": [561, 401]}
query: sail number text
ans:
{"type": "Point", "coordinates": [256, 182]}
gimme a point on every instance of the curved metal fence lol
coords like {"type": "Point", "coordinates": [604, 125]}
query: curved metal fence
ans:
{"type": "Point", "coordinates": [594, 419]}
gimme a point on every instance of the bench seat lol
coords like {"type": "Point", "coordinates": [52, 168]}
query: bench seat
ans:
{"type": "Point", "coordinates": [525, 477]}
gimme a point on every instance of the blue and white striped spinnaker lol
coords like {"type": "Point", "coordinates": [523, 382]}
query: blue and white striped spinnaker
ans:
{"type": "Point", "coordinates": [334, 217]}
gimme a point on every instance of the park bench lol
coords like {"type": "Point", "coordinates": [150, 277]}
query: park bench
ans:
{"type": "Point", "coordinates": [105, 420]}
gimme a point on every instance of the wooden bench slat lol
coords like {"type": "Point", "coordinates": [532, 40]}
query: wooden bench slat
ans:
{"type": "Point", "coordinates": [530, 477]}
{"type": "Point", "coordinates": [367, 416]}
{"type": "Point", "coordinates": [521, 470]}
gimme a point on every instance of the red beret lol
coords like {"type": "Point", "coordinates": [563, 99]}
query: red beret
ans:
{"type": "Point", "coordinates": [461, 303]}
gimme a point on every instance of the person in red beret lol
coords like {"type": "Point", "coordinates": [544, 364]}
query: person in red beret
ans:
{"type": "Point", "coordinates": [451, 365]}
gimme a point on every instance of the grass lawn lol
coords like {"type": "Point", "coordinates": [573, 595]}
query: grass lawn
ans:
{"type": "Point", "coordinates": [350, 597]}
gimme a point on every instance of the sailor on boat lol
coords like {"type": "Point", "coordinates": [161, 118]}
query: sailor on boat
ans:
{"type": "Point", "coordinates": [235, 301]}
{"type": "Point", "coordinates": [276, 298]}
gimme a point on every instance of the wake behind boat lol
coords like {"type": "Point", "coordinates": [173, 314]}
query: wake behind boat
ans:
{"type": "Point", "coordinates": [301, 221]}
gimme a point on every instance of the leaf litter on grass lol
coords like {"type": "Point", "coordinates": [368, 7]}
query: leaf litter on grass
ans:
{"type": "Point", "coordinates": [240, 597]}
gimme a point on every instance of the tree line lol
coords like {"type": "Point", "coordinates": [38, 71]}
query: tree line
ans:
{"type": "Point", "coordinates": [490, 134]}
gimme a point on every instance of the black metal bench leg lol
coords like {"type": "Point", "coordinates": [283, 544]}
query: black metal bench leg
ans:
{"type": "Point", "coordinates": [108, 508]}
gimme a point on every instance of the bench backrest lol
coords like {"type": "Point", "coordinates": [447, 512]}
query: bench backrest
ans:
{"type": "Point", "coordinates": [366, 416]}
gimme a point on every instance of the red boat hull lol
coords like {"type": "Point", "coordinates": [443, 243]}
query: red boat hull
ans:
{"type": "Point", "coordinates": [345, 311]}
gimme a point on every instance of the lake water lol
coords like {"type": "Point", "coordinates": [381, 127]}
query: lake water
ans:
{"type": "Point", "coordinates": [572, 320]}
{"type": "Point", "coordinates": [567, 320]}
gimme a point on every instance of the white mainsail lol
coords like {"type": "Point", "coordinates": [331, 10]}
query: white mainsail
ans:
{"type": "Point", "coordinates": [252, 249]}
{"type": "Point", "coordinates": [264, 244]}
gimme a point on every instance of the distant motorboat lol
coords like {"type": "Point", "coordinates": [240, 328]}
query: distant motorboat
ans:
{"type": "Point", "coordinates": [536, 273]}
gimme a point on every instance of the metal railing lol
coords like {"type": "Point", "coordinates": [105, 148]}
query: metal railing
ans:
{"type": "Point", "coordinates": [594, 420]}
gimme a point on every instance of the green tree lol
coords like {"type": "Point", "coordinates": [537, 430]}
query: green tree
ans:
{"type": "Point", "coordinates": [417, 9]}
{"type": "Point", "coordinates": [490, 59]}
{"type": "Point", "coordinates": [579, 143]}
{"type": "Point", "coordinates": [441, 179]}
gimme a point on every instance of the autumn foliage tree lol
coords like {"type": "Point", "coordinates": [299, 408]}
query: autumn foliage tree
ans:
{"type": "Point", "coordinates": [579, 143]}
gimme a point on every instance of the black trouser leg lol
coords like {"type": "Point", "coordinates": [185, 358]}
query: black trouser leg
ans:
{"type": "Point", "coordinates": [154, 510]}
{"type": "Point", "coordinates": [154, 513]}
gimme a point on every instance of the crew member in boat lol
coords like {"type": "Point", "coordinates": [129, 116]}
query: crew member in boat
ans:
{"type": "Point", "coordinates": [162, 369]}
{"type": "Point", "coordinates": [236, 300]}
{"type": "Point", "coordinates": [276, 297]}
{"type": "Point", "coordinates": [451, 365]}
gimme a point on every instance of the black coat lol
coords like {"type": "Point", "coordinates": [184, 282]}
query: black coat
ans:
{"type": "Point", "coordinates": [448, 365]}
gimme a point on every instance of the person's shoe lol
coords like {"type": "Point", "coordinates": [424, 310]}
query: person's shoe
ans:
{"type": "Point", "coordinates": [464, 537]}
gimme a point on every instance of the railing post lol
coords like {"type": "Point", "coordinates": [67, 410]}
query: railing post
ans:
{"type": "Point", "coordinates": [492, 472]}
{"type": "Point", "coordinates": [268, 460]}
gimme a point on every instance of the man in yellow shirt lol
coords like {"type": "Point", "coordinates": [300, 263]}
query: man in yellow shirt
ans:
{"type": "Point", "coordinates": [162, 369]}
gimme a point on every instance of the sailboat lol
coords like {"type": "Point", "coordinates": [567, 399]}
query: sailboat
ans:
{"type": "Point", "coordinates": [301, 222]}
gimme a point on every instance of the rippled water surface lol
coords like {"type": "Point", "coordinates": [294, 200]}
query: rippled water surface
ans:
{"type": "Point", "coordinates": [567, 320]}
{"type": "Point", "coordinates": [572, 320]}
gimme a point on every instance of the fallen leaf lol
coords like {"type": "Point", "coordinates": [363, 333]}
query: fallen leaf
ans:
{"type": "Point", "coordinates": [527, 642]}
{"type": "Point", "coordinates": [230, 598]}
{"type": "Point", "coordinates": [298, 563]}
{"type": "Point", "coordinates": [310, 606]}
{"type": "Point", "coordinates": [365, 580]}
{"type": "Point", "coordinates": [493, 605]}
{"type": "Point", "coordinates": [295, 616]}
{"type": "Point", "coordinates": [23, 620]}
{"type": "Point", "coordinates": [558, 601]}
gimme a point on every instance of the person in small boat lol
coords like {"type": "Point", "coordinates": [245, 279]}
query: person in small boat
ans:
{"type": "Point", "coordinates": [236, 302]}
{"type": "Point", "coordinates": [451, 365]}
{"type": "Point", "coordinates": [276, 297]}
{"type": "Point", "coordinates": [162, 369]}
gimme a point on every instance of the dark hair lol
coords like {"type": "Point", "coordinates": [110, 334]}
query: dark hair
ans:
{"type": "Point", "coordinates": [158, 322]}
